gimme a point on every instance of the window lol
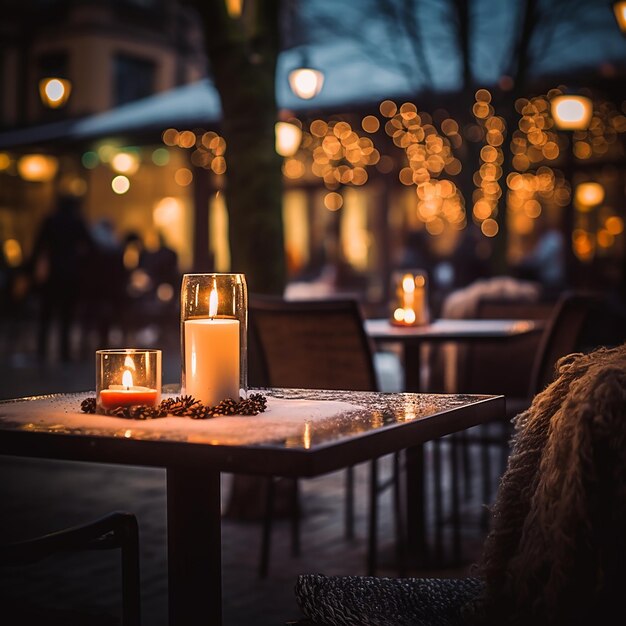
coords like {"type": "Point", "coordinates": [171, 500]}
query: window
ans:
{"type": "Point", "coordinates": [134, 78]}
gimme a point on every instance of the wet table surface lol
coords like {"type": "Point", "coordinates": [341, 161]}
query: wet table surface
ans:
{"type": "Point", "coordinates": [302, 433]}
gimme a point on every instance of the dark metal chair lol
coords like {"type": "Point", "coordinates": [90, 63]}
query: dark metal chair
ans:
{"type": "Point", "coordinates": [499, 369]}
{"type": "Point", "coordinates": [319, 344]}
{"type": "Point", "coordinates": [117, 530]}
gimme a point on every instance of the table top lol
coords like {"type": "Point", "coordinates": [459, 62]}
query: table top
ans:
{"type": "Point", "coordinates": [302, 432]}
{"type": "Point", "coordinates": [452, 329]}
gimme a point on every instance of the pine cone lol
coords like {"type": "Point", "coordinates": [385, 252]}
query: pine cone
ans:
{"type": "Point", "coordinates": [119, 411]}
{"type": "Point", "coordinates": [200, 412]}
{"type": "Point", "coordinates": [181, 405]}
{"type": "Point", "coordinates": [166, 404]}
{"type": "Point", "coordinates": [247, 407]}
{"type": "Point", "coordinates": [259, 400]}
{"type": "Point", "coordinates": [88, 405]}
{"type": "Point", "coordinates": [228, 406]}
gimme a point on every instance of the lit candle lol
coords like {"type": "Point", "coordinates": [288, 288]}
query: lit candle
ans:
{"type": "Point", "coordinates": [212, 356]}
{"type": "Point", "coordinates": [127, 394]}
{"type": "Point", "coordinates": [410, 307]}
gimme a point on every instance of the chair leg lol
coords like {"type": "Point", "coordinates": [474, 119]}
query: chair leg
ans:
{"type": "Point", "coordinates": [438, 500]}
{"type": "Point", "coordinates": [266, 535]}
{"type": "Point", "coordinates": [349, 519]}
{"type": "Point", "coordinates": [372, 547]}
{"type": "Point", "coordinates": [486, 476]}
{"type": "Point", "coordinates": [399, 517]}
{"type": "Point", "coordinates": [467, 470]}
{"type": "Point", "coordinates": [295, 518]}
{"type": "Point", "coordinates": [456, 517]}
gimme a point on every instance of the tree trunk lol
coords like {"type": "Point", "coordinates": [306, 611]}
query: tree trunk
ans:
{"type": "Point", "coordinates": [243, 53]}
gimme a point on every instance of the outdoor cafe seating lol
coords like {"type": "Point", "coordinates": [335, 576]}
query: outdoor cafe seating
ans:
{"type": "Point", "coordinates": [554, 551]}
{"type": "Point", "coordinates": [327, 349]}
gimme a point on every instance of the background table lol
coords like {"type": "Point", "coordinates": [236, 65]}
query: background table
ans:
{"type": "Point", "coordinates": [319, 432]}
{"type": "Point", "coordinates": [412, 338]}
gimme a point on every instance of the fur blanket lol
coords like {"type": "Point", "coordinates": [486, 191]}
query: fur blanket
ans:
{"type": "Point", "coordinates": [556, 553]}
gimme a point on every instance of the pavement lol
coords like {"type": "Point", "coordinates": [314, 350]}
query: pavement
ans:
{"type": "Point", "coordinates": [39, 496]}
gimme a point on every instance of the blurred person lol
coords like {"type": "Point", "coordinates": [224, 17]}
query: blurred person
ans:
{"type": "Point", "coordinates": [160, 262]}
{"type": "Point", "coordinates": [106, 290]}
{"type": "Point", "coordinates": [62, 247]}
{"type": "Point", "coordinates": [545, 262]}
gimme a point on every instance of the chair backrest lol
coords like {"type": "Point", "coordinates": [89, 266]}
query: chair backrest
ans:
{"type": "Point", "coordinates": [311, 344]}
{"type": "Point", "coordinates": [561, 336]}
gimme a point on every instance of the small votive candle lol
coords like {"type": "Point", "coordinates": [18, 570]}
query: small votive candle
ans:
{"type": "Point", "coordinates": [409, 298]}
{"type": "Point", "coordinates": [127, 377]}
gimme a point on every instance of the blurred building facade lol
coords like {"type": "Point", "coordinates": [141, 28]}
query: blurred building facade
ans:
{"type": "Point", "coordinates": [366, 182]}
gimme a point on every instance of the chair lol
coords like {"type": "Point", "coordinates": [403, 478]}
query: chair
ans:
{"type": "Point", "coordinates": [556, 548]}
{"type": "Point", "coordinates": [115, 530]}
{"type": "Point", "coordinates": [488, 367]}
{"type": "Point", "coordinates": [318, 344]}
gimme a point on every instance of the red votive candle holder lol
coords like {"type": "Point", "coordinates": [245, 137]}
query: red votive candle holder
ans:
{"type": "Point", "coordinates": [127, 377]}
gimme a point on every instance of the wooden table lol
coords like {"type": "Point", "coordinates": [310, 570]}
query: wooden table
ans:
{"type": "Point", "coordinates": [303, 433]}
{"type": "Point", "coordinates": [412, 338]}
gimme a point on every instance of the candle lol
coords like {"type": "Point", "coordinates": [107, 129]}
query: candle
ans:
{"type": "Point", "coordinates": [127, 394]}
{"type": "Point", "coordinates": [410, 307]}
{"type": "Point", "coordinates": [127, 377]}
{"type": "Point", "coordinates": [212, 356]}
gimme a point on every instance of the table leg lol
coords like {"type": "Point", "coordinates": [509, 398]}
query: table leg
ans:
{"type": "Point", "coordinates": [415, 505]}
{"type": "Point", "coordinates": [415, 488]}
{"type": "Point", "coordinates": [194, 545]}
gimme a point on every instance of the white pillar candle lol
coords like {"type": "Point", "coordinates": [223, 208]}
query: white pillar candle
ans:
{"type": "Point", "coordinates": [212, 359]}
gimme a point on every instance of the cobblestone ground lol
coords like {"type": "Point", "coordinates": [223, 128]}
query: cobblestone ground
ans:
{"type": "Point", "coordinates": [38, 496]}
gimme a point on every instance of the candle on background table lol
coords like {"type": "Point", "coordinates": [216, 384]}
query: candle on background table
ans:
{"type": "Point", "coordinates": [212, 356]}
{"type": "Point", "coordinates": [410, 305]}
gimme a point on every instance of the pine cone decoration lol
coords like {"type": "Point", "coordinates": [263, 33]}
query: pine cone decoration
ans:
{"type": "Point", "coordinates": [181, 405]}
{"type": "Point", "coordinates": [200, 412]}
{"type": "Point", "coordinates": [260, 401]}
{"type": "Point", "coordinates": [166, 404]}
{"type": "Point", "coordinates": [118, 411]}
{"type": "Point", "coordinates": [246, 407]}
{"type": "Point", "coordinates": [88, 405]}
{"type": "Point", "coordinates": [228, 406]}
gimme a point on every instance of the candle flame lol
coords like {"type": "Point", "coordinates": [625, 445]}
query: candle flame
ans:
{"type": "Point", "coordinates": [408, 283]}
{"type": "Point", "coordinates": [127, 379]}
{"type": "Point", "coordinates": [129, 363]}
{"type": "Point", "coordinates": [213, 302]}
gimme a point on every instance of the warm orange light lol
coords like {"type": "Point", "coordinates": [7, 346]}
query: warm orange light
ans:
{"type": "Point", "coordinates": [13, 252]}
{"type": "Point", "coordinates": [54, 92]}
{"type": "Point", "coordinates": [589, 194]}
{"type": "Point", "coordinates": [571, 112]}
{"type": "Point", "coordinates": [306, 83]}
{"type": "Point", "coordinates": [619, 8]}
{"type": "Point", "coordinates": [288, 138]}
{"type": "Point", "coordinates": [125, 163]}
{"type": "Point", "coordinates": [37, 167]}
{"type": "Point", "coordinates": [234, 8]}
{"type": "Point", "coordinates": [213, 302]}
{"type": "Point", "coordinates": [127, 379]}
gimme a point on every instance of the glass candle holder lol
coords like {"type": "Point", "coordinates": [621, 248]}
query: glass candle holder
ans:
{"type": "Point", "coordinates": [127, 377]}
{"type": "Point", "coordinates": [213, 337]}
{"type": "Point", "coordinates": [409, 298]}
